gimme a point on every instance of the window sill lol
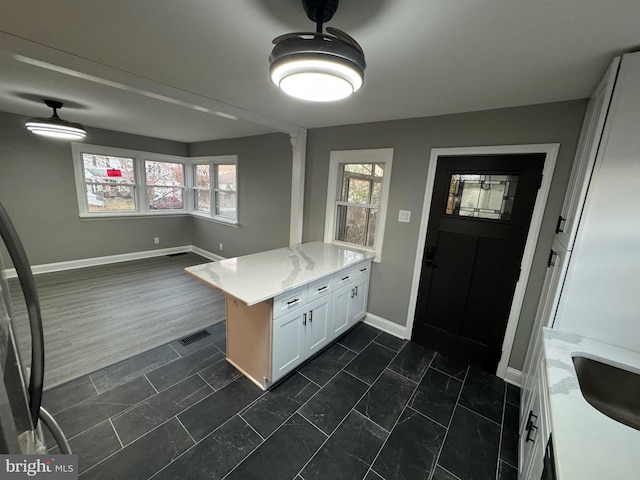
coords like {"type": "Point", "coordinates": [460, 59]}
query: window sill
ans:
{"type": "Point", "coordinates": [360, 248]}
{"type": "Point", "coordinates": [223, 220]}
{"type": "Point", "coordinates": [174, 213]}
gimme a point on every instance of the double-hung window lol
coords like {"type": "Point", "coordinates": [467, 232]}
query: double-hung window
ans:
{"type": "Point", "coordinates": [109, 183]}
{"type": "Point", "coordinates": [215, 187]}
{"type": "Point", "coordinates": [115, 182]}
{"type": "Point", "coordinates": [165, 185]}
{"type": "Point", "coordinates": [357, 198]}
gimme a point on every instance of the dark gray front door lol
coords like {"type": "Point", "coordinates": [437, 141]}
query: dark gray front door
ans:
{"type": "Point", "coordinates": [478, 224]}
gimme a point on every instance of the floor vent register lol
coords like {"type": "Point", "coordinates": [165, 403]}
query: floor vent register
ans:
{"type": "Point", "coordinates": [194, 337]}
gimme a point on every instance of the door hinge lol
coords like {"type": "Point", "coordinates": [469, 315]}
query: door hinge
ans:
{"type": "Point", "coordinates": [519, 272]}
{"type": "Point", "coordinates": [540, 182]}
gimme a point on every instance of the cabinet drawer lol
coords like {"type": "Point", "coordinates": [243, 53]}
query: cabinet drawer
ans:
{"type": "Point", "coordinates": [319, 288]}
{"type": "Point", "coordinates": [289, 301]}
{"type": "Point", "coordinates": [362, 269]}
{"type": "Point", "coordinates": [344, 277]}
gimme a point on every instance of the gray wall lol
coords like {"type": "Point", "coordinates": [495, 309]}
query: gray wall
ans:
{"type": "Point", "coordinates": [413, 140]}
{"type": "Point", "coordinates": [37, 188]}
{"type": "Point", "coordinates": [264, 196]}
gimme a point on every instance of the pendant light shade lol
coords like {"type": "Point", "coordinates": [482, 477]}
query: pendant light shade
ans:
{"type": "Point", "coordinates": [55, 127]}
{"type": "Point", "coordinates": [317, 66]}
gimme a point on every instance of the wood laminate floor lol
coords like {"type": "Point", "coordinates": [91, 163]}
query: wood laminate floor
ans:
{"type": "Point", "coordinates": [97, 316]}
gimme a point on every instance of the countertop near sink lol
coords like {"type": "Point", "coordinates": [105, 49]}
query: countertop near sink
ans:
{"type": "Point", "coordinates": [587, 443]}
{"type": "Point", "coordinates": [261, 276]}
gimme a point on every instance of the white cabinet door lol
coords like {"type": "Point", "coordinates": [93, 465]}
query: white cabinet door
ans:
{"type": "Point", "coordinates": [340, 313]}
{"type": "Point", "coordinates": [317, 331]}
{"type": "Point", "coordinates": [358, 307]}
{"type": "Point", "coordinates": [529, 436]}
{"type": "Point", "coordinates": [592, 128]}
{"type": "Point", "coordinates": [288, 342]}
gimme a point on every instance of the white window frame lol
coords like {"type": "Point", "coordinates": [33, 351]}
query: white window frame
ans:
{"type": "Point", "coordinates": [140, 189]}
{"type": "Point", "coordinates": [185, 173]}
{"type": "Point", "coordinates": [337, 157]}
{"type": "Point", "coordinates": [212, 161]}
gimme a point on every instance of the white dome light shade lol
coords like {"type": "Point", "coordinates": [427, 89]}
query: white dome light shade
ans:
{"type": "Point", "coordinates": [55, 127]}
{"type": "Point", "coordinates": [317, 80]}
{"type": "Point", "coordinates": [48, 129]}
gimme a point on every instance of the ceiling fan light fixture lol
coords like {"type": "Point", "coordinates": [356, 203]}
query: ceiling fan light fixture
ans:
{"type": "Point", "coordinates": [316, 79]}
{"type": "Point", "coordinates": [55, 127]}
{"type": "Point", "coordinates": [317, 66]}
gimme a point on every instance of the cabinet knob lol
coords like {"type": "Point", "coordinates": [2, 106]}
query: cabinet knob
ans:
{"type": "Point", "coordinates": [304, 319]}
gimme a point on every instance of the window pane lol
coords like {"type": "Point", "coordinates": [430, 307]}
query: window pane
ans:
{"type": "Point", "coordinates": [164, 173]}
{"type": "Point", "coordinates": [165, 198]}
{"type": "Point", "coordinates": [203, 201]}
{"type": "Point", "coordinates": [226, 177]}
{"type": "Point", "coordinates": [203, 179]}
{"type": "Point", "coordinates": [361, 183]}
{"type": "Point", "coordinates": [356, 225]}
{"type": "Point", "coordinates": [226, 205]}
{"type": "Point", "coordinates": [107, 198]}
{"type": "Point", "coordinates": [107, 169]}
{"type": "Point", "coordinates": [481, 196]}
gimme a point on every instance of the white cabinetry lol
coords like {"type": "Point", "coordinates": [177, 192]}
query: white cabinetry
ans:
{"type": "Point", "coordinates": [590, 287]}
{"type": "Point", "coordinates": [300, 334]}
{"type": "Point", "coordinates": [586, 154]}
{"type": "Point", "coordinates": [350, 299]}
{"type": "Point", "coordinates": [305, 329]}
{"type": "Point", "coordinates": [288, 342]}
{"type": "Point", "coordinates": [310, 317]}
{"type": "Point", "coordinates": [570, 222]}
{"type": "Point", "coordinates": [599, 294]}
{"type": "Point", "coordinates": [535, 431]}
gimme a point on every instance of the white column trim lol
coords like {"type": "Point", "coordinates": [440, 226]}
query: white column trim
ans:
{"type": "Point", "coordinates": [298, 161]}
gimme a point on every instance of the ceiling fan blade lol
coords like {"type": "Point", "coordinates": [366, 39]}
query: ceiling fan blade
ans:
{"type": "Point", "coordinates": [284, 36]}
{"type": "Point", "coordinates": [345, 38]}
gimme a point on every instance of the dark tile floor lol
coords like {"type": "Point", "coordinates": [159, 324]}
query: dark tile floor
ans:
{"type": "Point", "coordinates": [370, 406]}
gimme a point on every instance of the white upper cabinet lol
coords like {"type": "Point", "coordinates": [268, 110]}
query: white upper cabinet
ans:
{"type": "Point", "coordinates": [599, 298]}
{"type": "Point", "coordinates": [585, 158]}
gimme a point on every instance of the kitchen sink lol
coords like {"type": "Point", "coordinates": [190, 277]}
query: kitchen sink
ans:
{"type": "Point", "coordinates": [612, 390]}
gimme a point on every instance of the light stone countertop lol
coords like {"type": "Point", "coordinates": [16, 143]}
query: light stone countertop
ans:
{"type": "Point", "coordinates": [587, 444]}
{"type": "Point", "coordinates": [261, 276]}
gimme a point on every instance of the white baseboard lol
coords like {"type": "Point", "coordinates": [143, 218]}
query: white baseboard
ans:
{"type": "Point", "coordinates": [206, 254]}
{"type": "Point", "coordinates": [124, 257]}
{"type": "Point", "coordinates": [513, 377]}
{"type": "Point", "coordinates": [386, 325]}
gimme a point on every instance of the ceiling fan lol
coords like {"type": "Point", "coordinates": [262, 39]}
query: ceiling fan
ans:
{"type": "Point", "coordinates": [317, 66]}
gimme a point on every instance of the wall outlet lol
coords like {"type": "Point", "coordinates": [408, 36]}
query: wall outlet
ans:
{"type": "Point", "coordinates": [221, 247]}
{"type": "Point", "coordinates": [156, 240]}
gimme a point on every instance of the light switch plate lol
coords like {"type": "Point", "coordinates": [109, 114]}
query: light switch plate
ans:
{"type": "Point", "coordinates": [404, 216]}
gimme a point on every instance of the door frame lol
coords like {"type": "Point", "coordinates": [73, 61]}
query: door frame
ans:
{"type": "Point", "coordinates": [551, 154]}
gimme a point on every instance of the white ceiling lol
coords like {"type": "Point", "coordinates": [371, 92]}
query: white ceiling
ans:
{"type": "Point", "coordinates": [194, 70]}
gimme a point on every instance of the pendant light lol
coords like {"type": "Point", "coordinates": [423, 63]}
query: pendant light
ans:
{"type": "Point", "coordinates": [317, 66]}
{"type": "Point", "coordinates": [55, 127]}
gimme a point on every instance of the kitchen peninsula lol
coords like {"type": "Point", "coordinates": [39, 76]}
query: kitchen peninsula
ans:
{"type": "Point", "coordinates": [285, 305]}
